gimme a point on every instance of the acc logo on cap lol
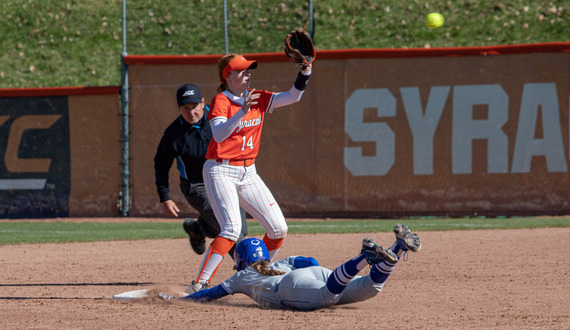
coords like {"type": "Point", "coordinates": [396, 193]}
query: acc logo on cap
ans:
{"type": "Point", "coordinates": [190, 92]}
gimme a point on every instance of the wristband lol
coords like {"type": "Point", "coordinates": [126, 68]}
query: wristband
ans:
{"type": "Point", "coordinates": [301, 81]}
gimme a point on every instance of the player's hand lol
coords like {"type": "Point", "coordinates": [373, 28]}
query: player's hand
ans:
{"type": "Point", "coordinates": [170, 209]}
{"type": "Point", "coordinates": [250, 100]}
{"type": "Point", "coordinates": [307, 69]}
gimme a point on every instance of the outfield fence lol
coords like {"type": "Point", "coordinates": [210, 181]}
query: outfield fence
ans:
{"type": "Point", "coordinates": [378, 133]}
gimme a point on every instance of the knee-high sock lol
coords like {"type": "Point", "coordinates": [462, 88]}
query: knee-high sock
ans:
{"type": "Point", "coordinates": [344, 273]}
{"type": "Point", "coordinates": [379, 272]}
{"type": "Point", "coordinates": [213, 258]}
{"type": "Point", "coordinates": [396, 249]}
{"type": "Point", "coordinates": [273, 245]}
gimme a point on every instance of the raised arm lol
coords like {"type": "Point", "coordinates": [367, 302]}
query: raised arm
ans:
{"type": "Point", "coordinates": [294, 94]}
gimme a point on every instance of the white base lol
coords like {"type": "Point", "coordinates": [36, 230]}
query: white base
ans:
{"type": "Point", "coordinates": [136, 294]}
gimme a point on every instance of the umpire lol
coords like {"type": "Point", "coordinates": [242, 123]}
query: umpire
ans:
{"type": "Point", "coordinates": [186, 140]}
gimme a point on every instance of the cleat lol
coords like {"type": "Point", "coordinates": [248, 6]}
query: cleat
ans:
{"type": "Point", "coordinates": [406, 239]}
{"type": "Point", "coordinates": [197, 240]}
{"type": "Point", "coordinates": [195, 287]}
{"type": "Point", "coordinates": [374, 253]}
{"type": "Point", "coordinates": [165, 296]}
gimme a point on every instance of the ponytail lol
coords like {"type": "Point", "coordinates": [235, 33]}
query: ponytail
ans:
{"type": "Point", "coordinates": [222, 87]}
{"type": "Point", "coordinates": [262, 267]}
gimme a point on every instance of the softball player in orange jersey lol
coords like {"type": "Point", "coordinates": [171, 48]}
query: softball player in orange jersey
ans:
{"type": "Point", "coordinates": [230, 177]}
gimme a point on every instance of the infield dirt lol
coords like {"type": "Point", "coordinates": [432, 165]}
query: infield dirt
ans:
{"type": "Point", "coordinates": [508, 279]}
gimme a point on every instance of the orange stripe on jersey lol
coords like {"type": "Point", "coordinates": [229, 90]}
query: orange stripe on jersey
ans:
{"type": "Point", "coordinates": [244, 141]}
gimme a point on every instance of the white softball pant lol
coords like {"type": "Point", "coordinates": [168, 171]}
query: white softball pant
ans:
{"type": "Point", "coordinates": [228, 186]}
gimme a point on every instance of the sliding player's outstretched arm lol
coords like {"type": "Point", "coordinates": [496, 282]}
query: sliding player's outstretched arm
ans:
{"type": "Point", "coordinates": [202, 296]}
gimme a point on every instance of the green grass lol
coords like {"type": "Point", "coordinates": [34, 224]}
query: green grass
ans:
{"type": "Point", "coordinates": [16, 232]}
{"type": "Point", "coordinates": [49, 43]}
{"type": "Point", "coordinates": [63, 232]}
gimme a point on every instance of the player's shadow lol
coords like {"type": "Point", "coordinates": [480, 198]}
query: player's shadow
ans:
{"type": "Point", "coordinates": [254, 305]}
{"type": "Point", "coordinates": [81, 284]}
{"type": "Point", "coordinates": [68, 284]}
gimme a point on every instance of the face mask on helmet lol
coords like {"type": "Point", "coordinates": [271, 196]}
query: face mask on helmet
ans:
{"type": "Point", "coordinates": [249, 251]}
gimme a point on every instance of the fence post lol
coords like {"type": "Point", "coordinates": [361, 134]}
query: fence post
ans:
{"type": "Point", "coordinates": [226, 26]}
{"type": "Point", "coordinates": [311, 21]}
{"type": "Point", "coordinates": [124, 202]}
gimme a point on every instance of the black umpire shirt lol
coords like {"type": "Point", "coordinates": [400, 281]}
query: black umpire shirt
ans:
{"type": "Point", "coordinates": [187, 144]}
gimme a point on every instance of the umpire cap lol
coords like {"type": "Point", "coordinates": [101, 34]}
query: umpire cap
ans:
{"type": "Point", "coordinates": [188, 93]}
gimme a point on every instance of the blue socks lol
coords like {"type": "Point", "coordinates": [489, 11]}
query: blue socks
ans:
{"type": "Point", "coordinates": [396, 249]}
{"type": "Point", "coordinates": [344, 273]}
{"type": "Point", "coordinates": [379, 272]}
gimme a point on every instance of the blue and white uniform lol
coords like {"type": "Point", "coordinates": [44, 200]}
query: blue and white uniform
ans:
{"type": "Point", "coordinates": [300, 288]}
{"type": "Point", "coordinates": [304, 286]}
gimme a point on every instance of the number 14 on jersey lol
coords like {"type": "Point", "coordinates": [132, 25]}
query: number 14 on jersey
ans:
{"type": "Point", "coordinates": [247, 142]}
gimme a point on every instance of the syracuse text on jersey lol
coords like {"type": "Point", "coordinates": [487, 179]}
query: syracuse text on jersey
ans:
{"type": "Point", "coordinates": [249, 123]}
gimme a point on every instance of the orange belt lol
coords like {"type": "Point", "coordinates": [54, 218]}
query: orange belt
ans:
{"type": "Point", "coordinates": [241, 162]}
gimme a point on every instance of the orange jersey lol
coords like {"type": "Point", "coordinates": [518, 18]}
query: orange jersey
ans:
{"type": "Point", "coordinates": [243, 142]}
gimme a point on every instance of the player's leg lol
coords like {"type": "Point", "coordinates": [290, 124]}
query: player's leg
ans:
{"type": "Point", "coordinates": [197, 238]}
{"type": "Point", "coordinates": [198, 199]}
{"type": "Point", "coordinates": [304, 288]}
{"type": "Point", "coordinates": [405, 241]}
{"type": "Point", "coordinates": [371, 253]}
{"type": "Point", "coordinates": [220, 182]}
{"type": "Point", "coordinates": [208, 225]}
{"type": "Point", "coordinates": [243, 233]}
{"type": "Point", "coordinates": [343, 274]}
{"type": "Point", "coordinates": [258, 201]}
{"type": "Point", "coordinates": [366, 287]}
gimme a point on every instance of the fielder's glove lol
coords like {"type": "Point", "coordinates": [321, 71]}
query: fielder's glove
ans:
{"type": "Point", "coordinates": [299, 48]}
